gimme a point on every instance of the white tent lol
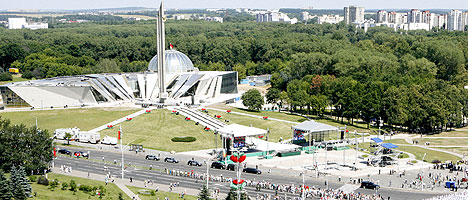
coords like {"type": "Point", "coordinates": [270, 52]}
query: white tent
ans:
{"type": "Point", "coordinates": [236, 130]}
{"type": "Point", "coordinates": [313, 126]}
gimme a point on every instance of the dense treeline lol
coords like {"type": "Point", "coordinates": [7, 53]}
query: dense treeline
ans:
{"type": "Point", "coordinates": [414, 80]}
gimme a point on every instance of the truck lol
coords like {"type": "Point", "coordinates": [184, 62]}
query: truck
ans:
{"type": "Point", "coordinates": [13, 70]}
{"type": "Point", "coordinates": [109, 140]}
{"type": "Point", "coordinates": [89, 137]}
{"type": "Point", "coordinates": [60, 133]}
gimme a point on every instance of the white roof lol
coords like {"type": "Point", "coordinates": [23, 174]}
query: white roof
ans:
{"type": "Point", "coordinates": [313, 126]}
{"type": "Point", "coordinates": [237, 130]}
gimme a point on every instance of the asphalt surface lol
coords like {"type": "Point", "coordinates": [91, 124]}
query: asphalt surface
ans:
{"type": "Point", "coordinates": [95, 164]}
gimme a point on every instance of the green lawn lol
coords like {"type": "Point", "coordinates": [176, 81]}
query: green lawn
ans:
{"type": "Point", "coordinates": [444, 141]}
{"type": "Point", "coordinates": [83, 118]}
{"type": "Point", "coordinates": [43, 192]}
{"type": "Point", "coordinates": [460, 150]}
{"type": "Point", "coordinates": [273, 114]}
{"type": "Point", "coordinates": [158, 195]}
{"type": "Point", "coordinates": [396, 141]}
{"type": "Point", "coordinates": [155, 130]}
{"type": "Point", "coordinates": [430, 154]}
{"type": "Point", "coordinates": [450, 134]}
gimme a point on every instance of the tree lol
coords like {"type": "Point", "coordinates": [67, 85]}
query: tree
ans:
{"type": "Point", "coordinates": [232, 195]}
{"type": "Point", "coordinates": [252, 99]}
{"type": "Point", "coordinates": [5, 187]}
{"type": "Point", "coordinates": [27, 75]}
{"type": "Point", "coordinates": [273, 96]}
{"type": "Point", "coordinates": [204, 193]}
{"type": "Point", "coordinates": [241, 71]}
{"type": "Point", "coordinates": [68, 136]}
{"type": "Point", "coordinates": [19, 183]}
{"type": "Point", "coordinates": [283, 99]}
{"type": "Point", "coordinates": [107, 66]}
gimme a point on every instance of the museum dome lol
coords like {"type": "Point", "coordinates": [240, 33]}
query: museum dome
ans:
{"type": "Point", "coordinates": [176, 62]}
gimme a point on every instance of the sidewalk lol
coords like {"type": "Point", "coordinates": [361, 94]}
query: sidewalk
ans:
{"type": "Point", "coordinates": [122, 184]}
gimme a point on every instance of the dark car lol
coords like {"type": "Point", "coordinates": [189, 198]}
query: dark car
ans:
{"type": "Point", "coordinates": [231, 167]}
{"type": "Point", "coordinates": [217, 165]}
{"type": "Point", "coordinates": [64, 151]}
{"type": "Point", "coordinates": [252, 171]}
{"type": "Point", "coordinates": [369, 185]}
{"type": "Point", "coordinates": [171, 160]}
{"type": "Point", "coordinates": [151, 157]}
{"type": "Point", "coordinates": [193, 163]}
{"type": "Point", "coordinates": [80, 154]}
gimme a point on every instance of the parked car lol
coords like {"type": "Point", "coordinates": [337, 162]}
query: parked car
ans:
{"type": "Point", "coordinates": [80, 154]}
{"type": "Point", "coordinates": [193, 163]}
{"type": "Point", "coordinates": [217, 165]}
{"type": "Point", "coordinates": [151, 157]}
{"type": "Point", "coordinates": [64, 151]}
{"type": "Point", "coordinates": [252, 170]}
{"type": "Point", "coordinates": [231, 167]}
{"type": "Point", "coordinates": [171, 160]}
{"type": "Point", "coordinates": [369, 185]}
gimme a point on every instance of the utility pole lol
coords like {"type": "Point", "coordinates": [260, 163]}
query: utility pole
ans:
{"type": "Point", "coordinates": [422, 172]}
{"type": "Point", "coordinates": [356, 150]}
{"type": "Point", "coordinates": [238, 175]}
{"type": "Point", "coordinates": [268, 141]}
{"type": "Point", "coordinates": [303, 184]}
{"type": "Point", "coordinates": [380, 124]}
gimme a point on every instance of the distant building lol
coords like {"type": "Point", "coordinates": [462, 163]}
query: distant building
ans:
{"type": "Point", "coordinates": [16, 23]}
{"type": "Point", "coordinates": [20, 23]}
{"type": "Point", "coordinates": [455, 21]}
{"type": "Point", "coordinates": [353, 14]}
{"type": "Point", "coordinates": [275, 17]}
{"type": "Point", "coordinates": [382, 16]}
{"type": "Point", "coordinates": [305, 16]}
{"type": "Point", "coordinates": [414, 16]}
{"type": "Point", "coordinates": [214, 19]}
{"type": "Point", "coordinates": [330, 19]}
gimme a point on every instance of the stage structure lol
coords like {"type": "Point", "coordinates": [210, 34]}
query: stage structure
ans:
{"type": "Point", "coordinates": [315, 130]}
{"type": "Point", "coordinates": [171, 79]}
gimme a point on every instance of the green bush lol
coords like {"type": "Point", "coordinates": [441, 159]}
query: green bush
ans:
{"type": "Point", "coordinates": [33, 178]}
{"type": "Point", "coordinates": [5, 76]}
{"type": "Point", "coordinates": [27, 75]}
{"type": "Point", "coordinates": [53, 184]}
{"type": "Point", "coordinates": [403, 155]}
{"type": "Point", "coordinates": [64, 186]}
{"type": "Point", "coordinates": [86, 188]}
{"type": "Point", "coordinates": [43, 181]}
{"type": "Point", "coordinates": [73, 185]}
{"type": "Point", "coordinates": [183, 139]}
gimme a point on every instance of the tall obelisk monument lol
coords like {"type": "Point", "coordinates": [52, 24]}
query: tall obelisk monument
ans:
{"type": "Point", "coordinates": [161, 54]}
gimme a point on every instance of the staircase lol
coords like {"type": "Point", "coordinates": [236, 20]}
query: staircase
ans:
{"type": "Point", "coordinates": [201, 118]}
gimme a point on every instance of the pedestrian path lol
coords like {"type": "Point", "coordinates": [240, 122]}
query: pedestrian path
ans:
{"type": "Point", "coordinates": [118, 121]}
{"type": "Point", "coordinates": [348, 188]}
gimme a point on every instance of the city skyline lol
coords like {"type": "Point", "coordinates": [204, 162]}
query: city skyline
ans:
{"type": "Point", "coordinates": [261, 4]}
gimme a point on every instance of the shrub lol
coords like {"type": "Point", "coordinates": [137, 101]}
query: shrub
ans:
{"type": "Point", "coordinates": [33, 178]}
{"type": "Point", "coordinates": [73, 185]}
{"type": "Point", "coordinates": [43, 181]}
{"type": "Point", "coordinates": [153, 193]}
{"type": "Point", "coordinates": [5, 76]}
{"type": "Point", "coordinates": [64, 186]}
{"type": "Point", "coordinates": [53, 184]}
{"type": "Point", "coordinates": [183, 139]}
{"type": "Point", "coordinates": [121, 196]}
{"type": "Point", "coordinates": [403, 155]}
{"type": "Point", "coordinates": [27, 75]}
{"type": "Point", "coordinates": [86, 188]}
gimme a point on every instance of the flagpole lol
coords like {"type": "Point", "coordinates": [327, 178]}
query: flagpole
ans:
{"type": "Point", "coordinates": [121, 150]}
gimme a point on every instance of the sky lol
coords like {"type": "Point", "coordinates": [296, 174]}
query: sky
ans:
{"type": "Point", "coordinates": [268, 4]}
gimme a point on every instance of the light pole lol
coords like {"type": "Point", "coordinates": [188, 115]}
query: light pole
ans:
{"type": "Point", "coordinates": [121, 150]}
{"type": "Point", "coordinates": [356, 150]}
{"type": "Point", "coordinates": [303, 184]}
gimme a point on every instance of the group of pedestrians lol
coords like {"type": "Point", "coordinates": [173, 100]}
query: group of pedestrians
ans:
{"type": "Point", "coordinates": [455, 196]}
{"type": "Point", "coordinates": [66, 169]}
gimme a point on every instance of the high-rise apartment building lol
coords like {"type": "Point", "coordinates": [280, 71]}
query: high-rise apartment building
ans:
{"type": "Point", "coordinates": [353, 14]}
{"type": "Point", "coordinates": [455, 21]}
{"type": "Point", "coordinates": [414, 16]}
{"type": "Point", "coordinates": [382, 16]}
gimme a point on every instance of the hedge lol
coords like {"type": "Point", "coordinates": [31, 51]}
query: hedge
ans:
{"type": "Point", "coordinates": [183, 139]}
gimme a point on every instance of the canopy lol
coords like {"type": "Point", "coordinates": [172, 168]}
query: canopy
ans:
{"type": "Point", "coordinates": [389, 146]}
{"type": "Point", "coordinates": [377, 140]}
{"type": "Point", "coordinates": [313, 126]}
{"type": "Point", "coordinates": [236, 130]}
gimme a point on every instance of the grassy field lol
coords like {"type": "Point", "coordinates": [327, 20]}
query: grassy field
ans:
{"type": "Point", "coordinates": [460, 150]}
{"type": "Point", "coordinates": [16, 78]}
{"type": "Point", "coordinates": [83, 118]}
{"type": "Point", "coordinates": [360, 127]}
{"type": "Point", "coordinates": [444, 141]}
{"type": "Point", "coordinates": [159, 195]}
{"type": "Point", "coordinates": [430, 154]}
{"type": "Point", "coordinates": [396, 141]}
{"type": "Point", "coordinates": [156, 129]}
{"type": "Point", "coordinates": [450, 134]}
{"type": "Point", "coordinates": [44, 193]}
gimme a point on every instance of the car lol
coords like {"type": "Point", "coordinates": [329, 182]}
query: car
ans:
{"type": "Point", "coordinates": [151, 157]}
{"type": "Point", "coordinates": [193, 163]}
{"type": "Point", "coordinates": [64, 151]}
{"type": "Point", "coordinates": [171, 160]}
{"type": "Point", "coordinates": [231, 167]}
{"type": "Point", "coordinates": [217, 165]}
{"type": "Point", "coordinates": [369, 185]}
{"type": "Point", "coordinates": [81, 154]}
{"type": "Point", "coordinates": [252, 171]}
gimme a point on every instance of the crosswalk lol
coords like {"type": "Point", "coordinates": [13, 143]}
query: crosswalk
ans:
{"type": "Point", "coordinates": [348, 188]}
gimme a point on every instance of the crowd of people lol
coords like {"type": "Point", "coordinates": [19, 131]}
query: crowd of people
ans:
{"type": "Point", "coordinates": [312, 192]}
{"type": "Point", "coordinates": [455, 196]}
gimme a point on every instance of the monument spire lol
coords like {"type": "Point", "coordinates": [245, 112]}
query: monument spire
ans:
{"type": "Point", "coordinates": [161, 53]}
